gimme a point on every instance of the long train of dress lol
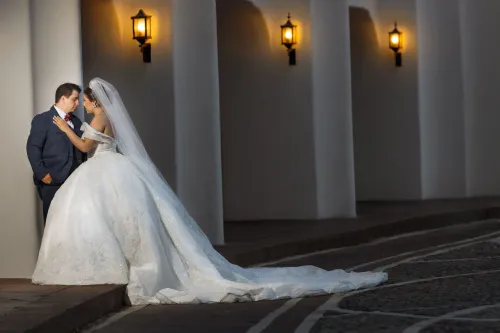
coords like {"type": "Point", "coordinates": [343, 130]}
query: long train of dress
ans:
{"type": "Point", "coordinates": [108, 225]}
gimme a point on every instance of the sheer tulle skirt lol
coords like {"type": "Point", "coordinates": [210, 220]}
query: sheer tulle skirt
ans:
{"type": "Point", "coordinates": [108, 225]}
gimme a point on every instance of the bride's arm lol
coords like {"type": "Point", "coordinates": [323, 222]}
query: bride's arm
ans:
{"type": "Point", "coordinates": [84, 145]}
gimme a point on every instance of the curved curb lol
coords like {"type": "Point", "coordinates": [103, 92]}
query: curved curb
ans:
{"type": "Point", "coordinates": [363, 235]}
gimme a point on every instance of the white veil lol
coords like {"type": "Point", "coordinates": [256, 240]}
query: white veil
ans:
{"type": "Point", "coordinates": [126, 136]}
{"type": "Point", "coordinates": [129, 144]}
{"type": "Point", "coordinates": [203, 274]}
{"type": "Point", "coordinates": [191, 244]}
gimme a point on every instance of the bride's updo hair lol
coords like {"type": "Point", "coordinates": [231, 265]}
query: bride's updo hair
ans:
{"type": "Point", "coordinates": [90, 96]}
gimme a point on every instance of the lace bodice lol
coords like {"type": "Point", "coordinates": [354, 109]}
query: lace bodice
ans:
{"type": "Point", "coordinates": [105, 143]}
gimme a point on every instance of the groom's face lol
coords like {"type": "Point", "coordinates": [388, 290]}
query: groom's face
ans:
{"type": "Point", "coordinates": [69, 104]}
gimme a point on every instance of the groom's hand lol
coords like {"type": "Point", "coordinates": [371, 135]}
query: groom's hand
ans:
{"type": "Point", "coordinates": [47, 179]}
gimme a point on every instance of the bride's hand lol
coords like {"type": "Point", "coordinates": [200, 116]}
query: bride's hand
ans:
{"type": "Point", "coordinates": [61, 123]}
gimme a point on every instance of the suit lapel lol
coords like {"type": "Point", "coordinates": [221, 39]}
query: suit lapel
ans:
{"type": "Point", "coordinates": [76, 125]}
{"type": "Point", "coordinates": [67, 140]}
{"type": "Point", "coordinates": [76, 128]}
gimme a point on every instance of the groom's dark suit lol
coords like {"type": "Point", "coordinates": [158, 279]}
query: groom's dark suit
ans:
{"type": "Point", "coordinates": [51, 152]}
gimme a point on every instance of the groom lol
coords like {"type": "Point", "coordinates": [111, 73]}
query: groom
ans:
{"type": "Point", "coordinates": [52, 156]}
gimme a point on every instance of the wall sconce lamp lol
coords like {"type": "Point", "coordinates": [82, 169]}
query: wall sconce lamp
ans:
{"type": "Point", "coordinates": [141, 32]}
{"type": "Point", "coordinates": [396, 43]}
{"type": "Point", "coordinates": [289, 39]}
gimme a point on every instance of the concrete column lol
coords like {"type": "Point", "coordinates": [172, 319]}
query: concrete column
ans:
{"type": "Point", "coordinates": [441, 111]}
{"type": "Point", "coordinates": [197, 124]}
{"type": "Point", "coordinates": [56, 49]}
{"type": "Point", "coordinates": [42, 51]}
{"type": "Point", "coordinates": [19, 236]}
{"type": "Point", "coordinates": [331, 81]}
{"type": "Point", "coordinates": [480, 53]}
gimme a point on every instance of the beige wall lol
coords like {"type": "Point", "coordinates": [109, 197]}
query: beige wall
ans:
{"type": "Point", "coordinates": [197, 118]}
{"type": "Point", "coordinates": [266, 119]}
{"type": "Point", "coordinates": [425, 130]}
{"type": "Point", "coordinates": [279, 138]}
{"type": "Point", "coordinates": [43, 56]}
{"type": "Point", "coordinates": [332, 109]}
{"type": "Point", "coordinates": [109, 52]}
{"type": "Point", "coordinates": [441, 99]}
{"type": "Point", "coordinates": [179, 127]}
{"type": "Point", "coordinates": [19, 236]}
{"type": "Point", "coordinates": [480, 53]}
{"type": "Point", "coordinates": [385, 101]}
{"type": "Point", "coordinates": [56, 49]}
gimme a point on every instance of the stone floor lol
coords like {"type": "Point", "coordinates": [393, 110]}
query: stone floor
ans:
{"type": "Point", "coordinates": [26, 307]}
{"type": "Point", "coordinates": [440, 280]}
{"type": "Point", "coordinates": [458, 291]}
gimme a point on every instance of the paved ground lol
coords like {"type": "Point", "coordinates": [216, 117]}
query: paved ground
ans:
{"type": "Point", "coordinates": [252, 242]}
{"type": "Point", "coordinates": [445, 280]}
{"type": "Point", "coordinates": [39, 309]}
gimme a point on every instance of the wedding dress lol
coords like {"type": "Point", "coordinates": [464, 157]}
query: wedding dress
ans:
{"type": "Point", "coordinates": [116, 221]}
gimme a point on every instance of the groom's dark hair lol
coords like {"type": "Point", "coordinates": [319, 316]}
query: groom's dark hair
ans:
{"type": "Point", "coordinates": [66, 89]}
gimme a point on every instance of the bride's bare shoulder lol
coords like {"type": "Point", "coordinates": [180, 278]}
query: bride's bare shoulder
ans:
{"type": "Point", "coordinates": [107, 125]}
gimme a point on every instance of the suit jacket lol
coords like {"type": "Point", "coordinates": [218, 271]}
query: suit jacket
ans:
{"type": "Point", "coordinates": [49, 149]}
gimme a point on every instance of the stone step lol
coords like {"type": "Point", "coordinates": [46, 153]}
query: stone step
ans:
{"type": "Point", "coordinates": [25, 307]}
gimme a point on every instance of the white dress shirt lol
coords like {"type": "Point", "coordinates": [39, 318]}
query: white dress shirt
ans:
{"type": "Point", "coordinates": [62, 114]}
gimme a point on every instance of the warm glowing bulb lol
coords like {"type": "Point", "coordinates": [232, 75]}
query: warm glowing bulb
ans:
{"type": "Point", "coordinates": [141, 27]}
{"type": "Point", "coordinates": [395, 39]}
{"type": "Point", "coordinates": [288, 34]}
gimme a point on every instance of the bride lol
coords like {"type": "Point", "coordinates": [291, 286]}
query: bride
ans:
{"type": "Point", "coordinates": [117, 221]}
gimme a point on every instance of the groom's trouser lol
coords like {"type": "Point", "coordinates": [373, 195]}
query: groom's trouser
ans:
{"type": "Point", "coordinates": [47, 193]}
